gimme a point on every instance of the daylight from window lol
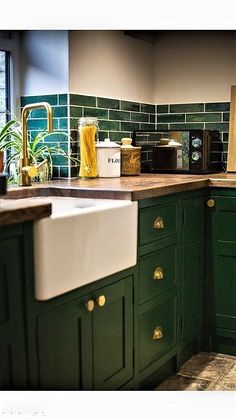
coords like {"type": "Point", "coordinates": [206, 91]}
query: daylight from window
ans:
{"type": "Point", "coordinates": [3, 87]}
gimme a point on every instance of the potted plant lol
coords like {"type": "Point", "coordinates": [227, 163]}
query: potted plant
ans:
{"type": "Point", "coordinates": [39, 150]}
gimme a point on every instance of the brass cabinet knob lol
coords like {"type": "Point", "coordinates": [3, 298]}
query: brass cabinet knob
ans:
{"type": "Point", "coordinates": [158, 333]}
{"type": "Point", "coordinates": [210, 203]}
{"type": "Point", "coordinates": [159, 223]}
{"type": "Point", "coordinates": [158, 274]}
{"type": "Point", "coordinates": [101, 300]}
{"type": "Point", "coordinates": [90, 305]}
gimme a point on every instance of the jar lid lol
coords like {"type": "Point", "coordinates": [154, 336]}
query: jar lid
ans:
{"type": "Point", "coordinates": [88, 120]}
{"type": "Point", "coordinates": [107, 143]}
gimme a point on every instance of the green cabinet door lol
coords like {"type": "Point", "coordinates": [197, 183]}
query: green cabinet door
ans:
{"type": "Point", "coordinates": [12, 338]}
{"type": "Point", "coordinates": [64, 347]}
{"type": "Point", "coordinates": [113, 335]}
{"type": "Point", "coordinates": [222, 263]}
{"type": "Point", "coordinates": [192, 284]}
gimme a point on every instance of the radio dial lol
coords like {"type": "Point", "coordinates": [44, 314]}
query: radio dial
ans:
{"type": "Point", "coordinates": [196, 156]}
{"type": "Point", "coordinates": [196, 142]}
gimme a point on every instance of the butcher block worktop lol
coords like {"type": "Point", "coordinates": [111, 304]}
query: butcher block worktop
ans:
{"type": "Point", "coordinates": [131, 188]}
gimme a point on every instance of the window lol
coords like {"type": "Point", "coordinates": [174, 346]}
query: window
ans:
{"type": "Point", "coordinates": [4, 86]}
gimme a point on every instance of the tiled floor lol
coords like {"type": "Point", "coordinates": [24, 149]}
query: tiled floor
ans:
{"type": "Point", "coordinates": [204, 372]}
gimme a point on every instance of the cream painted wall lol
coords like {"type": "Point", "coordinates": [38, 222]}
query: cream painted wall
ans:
{"type": "Point", "coordinates": [194, 66]}
{"type": "Point", "coordinates": [111, 64]}
{"type": "Point", "coordinates": [44, 62]}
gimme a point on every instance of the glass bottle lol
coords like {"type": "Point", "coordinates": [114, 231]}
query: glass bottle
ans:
{"type": "Point", "coordinates": [88, 128]}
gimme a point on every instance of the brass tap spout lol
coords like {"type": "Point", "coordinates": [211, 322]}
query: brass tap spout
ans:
{"type": "Point", "coordinates": [26, 170]}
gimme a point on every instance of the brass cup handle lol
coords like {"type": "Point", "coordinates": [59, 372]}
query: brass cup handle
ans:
{"type": "Point", "coordinates": [158, 274]}
{"type": "Point", "coordinates": [101, 300]}
{"type": "Point", "coordinates": [159, 223]}
{"type": "Point", "coordinates": [158, 333]}
{"type": "Point", "coordinates": [210, 203]}
{"type": "Point", "coordinates": [90, 305]}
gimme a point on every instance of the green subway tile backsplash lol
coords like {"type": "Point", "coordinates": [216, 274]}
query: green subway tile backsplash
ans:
{"type": "Point", "coordinates": [130, 106]}
{"type": "Point", "coordinates": [119, 118]}
{"type": "Point", "coordinates": [146, 107]}
{"type": "Point", "coordinates": [212, 107]}
{"type": "Point", "coordinates": [82, 100]}
{"type": "Point", "coordinates": [187, 107]}
{"type": "Point", "coordinates": [203, 117]}
{"type": "Point", "coordinates": [170, 118]}
{"type": "Point", "coordinates": [103, 102]}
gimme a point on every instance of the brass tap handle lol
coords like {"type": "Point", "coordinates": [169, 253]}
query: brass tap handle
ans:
{"type": "Point", "coordinates": [30, 171]}
{"type": "Point", "coordinates": [158, 274]}
{"type": "Point", "coordinates": [210, 203]}
{"type": "Point", "coordinates": [101, 300]}
{"type": "Point", "coordinates": [90, 305]}
{"type": "Point", "coordinates": [159, 223]}
{"type": "Point", "coordinates": [158, 333]}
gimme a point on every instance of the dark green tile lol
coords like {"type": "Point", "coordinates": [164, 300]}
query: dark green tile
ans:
{"type": "Point", "coordinates": [62, 145]}
{"type": "Point", "coordinates": [153, 118]}
{"type": "Point", "coordinates": [146, 107]}
{"type": "Point", "coordinates": [225, 147]}
{"type": "Point", "coordinates": [225, 136]}
{"type": "Point", "coordinates": [109, 125]}
{"type": "Point", "coordinates": [102, 135]}
{"type": "Point", "coordinates": [74, 123]}
{"type": "Point", "coordinates": [129, 126]}
{"type": "Point", "coordinates": [81, 100]}
{"type": "Point", "coordinates": [220, 126]}
{"type": "Point", "coordinates": [149, 127]}
{"type": "Point", "coordinates": [51, 99]}
{"type": "Point", "coordinates": [64, 171]}
{"type": "Point", "coordinates": [119, 115]}
{"type": "Point", "coordinates": [117, 136]}
{"type": "Point", "coordinates": [74, 171]}
{"type": "Point", "coordinates": [95, 112]}
{"type": "Point", "coordinates": [55, 172]}
{"type": "Point", "coordinates": [60, 111]}
{"type": "Point", "coordinates": [194, 125]}
{"type": "Point", "coordinates": [76, 111]}
{"type": "Point", "coordinates": [56, 137]}
{"type": "Point", "coordinates": [60, 160]}
{"type": "Point", "coordinates": [74, 135]}
{"type": "Point", "coordinates": [162, 108]}
{"type": "Point", "coordinates": [39, 113]}
{"type": "Point", "coordinates": [63, 123]}
{"type": "Point", "coordinates": [203, 117]}
{"type": "Point", "coordinates": [187, 107]}
{"type": "Point", "coordinates": [130, 106]}
{"type": "Point", "coordinates": [162, 126]}
{"type": "Point", "coordinates": [220, 106]}
{"type": "Point", "coordinates": [63, 99]}
{"type": "Point", "coordinates": [107, 103]}
{"type": "Point", "coordinates": [168, 118]}
{"type": "Point", "coordinates": [226, 117]}
{"type": "Point", "coordinates": [139, 117]}
{"type": "Point", "coordinates": [37, 124]}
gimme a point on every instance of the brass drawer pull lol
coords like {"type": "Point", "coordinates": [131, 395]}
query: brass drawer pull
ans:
{"type": "Point", "coordinates": [159, 223]}
{"type": "Point", "coordinates": [210, 203]}
{"type": "Point", "coordinates": [158, 274]}
{"type": "Point", "coordinates": [158, 333]}
{"type": "Point", "coordinates": [90, 305]}
{"type": "Point", "coordinates": [101, 300]}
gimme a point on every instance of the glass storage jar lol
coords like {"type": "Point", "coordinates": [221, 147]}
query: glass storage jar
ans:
{"type": "Point", "coordinates": [88, 128]}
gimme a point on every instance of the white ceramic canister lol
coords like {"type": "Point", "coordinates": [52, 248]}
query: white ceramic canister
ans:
{"type": "Point", "coordinates": [108, 158]}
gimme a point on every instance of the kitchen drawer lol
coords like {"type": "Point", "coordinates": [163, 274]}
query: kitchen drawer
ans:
{"type": "Point", "coordinates": [157, 222]}
{"type": "Point", "coordinates": [157, 332]}
{"type": "Point", "coordinates": [157, 272]}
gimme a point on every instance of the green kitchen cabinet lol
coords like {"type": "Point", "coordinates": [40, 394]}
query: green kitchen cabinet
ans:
{"type": "Point", "coordinates": [221, 271]}
{"type": "Point", "coordinates": [192, 271]}
{"type": "Point", "coordinates": [83, 341]}
{"type": "Point", "coordinates": [13, 274]}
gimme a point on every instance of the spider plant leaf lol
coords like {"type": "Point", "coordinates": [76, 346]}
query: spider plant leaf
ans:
{"type": "Point", "coordinates": [8, 125]}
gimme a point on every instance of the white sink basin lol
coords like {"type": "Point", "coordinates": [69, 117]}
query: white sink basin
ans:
{"type": "Point", "coordinates": [82, 241]}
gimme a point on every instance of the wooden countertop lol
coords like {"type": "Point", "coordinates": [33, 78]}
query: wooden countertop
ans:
{"type": "Point", "coordinates": [131, 188]}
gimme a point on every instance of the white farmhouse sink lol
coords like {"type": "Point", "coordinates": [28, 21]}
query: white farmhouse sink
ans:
{"type": "Point", "coordinates": [82, 241]}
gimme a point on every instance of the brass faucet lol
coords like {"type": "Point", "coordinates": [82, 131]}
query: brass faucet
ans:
{"type": "Point", "coordinates": [28, 171]}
